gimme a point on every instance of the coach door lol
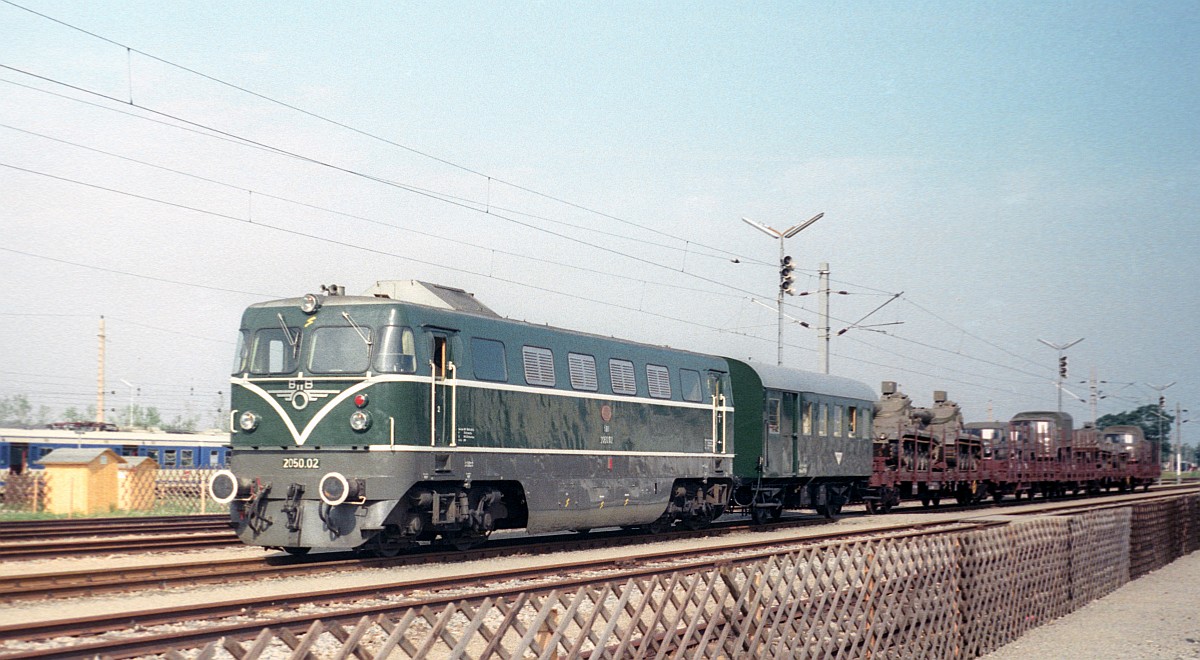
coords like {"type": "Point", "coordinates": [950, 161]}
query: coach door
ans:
{"type": "Point", "coordinates": [779, 444]}
{"type": "Point", "coordinates": [443, 392]}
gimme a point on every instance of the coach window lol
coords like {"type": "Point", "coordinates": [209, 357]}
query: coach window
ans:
{"type": "Point", "coordinates": [339, 350]}
{"type": "Point", "coordinates": [186, 458]}
{"type": "Point", "coordinates": [658, 381]}
{"type": "Point", "coordinates": [838, 413]}
{"type": "Point", "coordinates": [583, 372]}
{"type": "Point", "coordinates": [153, 454]}
{"type": "Point", "coordinates": [397, 353]}
{"type": "Point", "coordinates": [487, 356]}
{"type": "Point", "coordinates": [852, 420]}
{"type": "Point", "coordinates": [274, 352]}
{"type": "Point", "coordinates": [214, 457]}
{"type": "Point", "coordinates": [806, 418]}
{"type": "Point", "coordinates": [773, 416]}
{"type": "Point", "coordinates": [689, 384]}
{"type": "Point", "coordinates": [539, 366]}
{"type": "Point", "coordinates": [622, 376]}
{"type": "Point", "coordinates": [823, 420]}
{"type": "Point", "coordinates": [169, 458]}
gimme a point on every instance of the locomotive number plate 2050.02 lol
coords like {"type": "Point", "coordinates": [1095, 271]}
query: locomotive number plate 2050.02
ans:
{"type": "Point", "coordinates": [304, 463]}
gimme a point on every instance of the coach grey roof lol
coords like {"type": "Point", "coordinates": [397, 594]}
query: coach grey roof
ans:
{"type": "Point", "coordinates": [795, 380]}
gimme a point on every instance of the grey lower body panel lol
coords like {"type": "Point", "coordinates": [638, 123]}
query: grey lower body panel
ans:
{"type": "Point", "coordinates": [562, 491]}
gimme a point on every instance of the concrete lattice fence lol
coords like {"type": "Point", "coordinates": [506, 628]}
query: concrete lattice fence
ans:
{"type": "Point", "coordinates": [958, 594]}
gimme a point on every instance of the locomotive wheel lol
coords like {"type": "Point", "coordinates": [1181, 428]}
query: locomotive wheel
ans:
{"type": "Point", "coordinates": [659, 526]}
{"type": "Point", "coordinates": [464, 541]}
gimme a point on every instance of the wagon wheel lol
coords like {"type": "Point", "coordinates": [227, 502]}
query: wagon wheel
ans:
{"type": "Point", "coordinates": [873, 506]}
{"type": "Point", "coordinates": [830, 509]}
{"type": "Point", "coordinates": [761, 515]}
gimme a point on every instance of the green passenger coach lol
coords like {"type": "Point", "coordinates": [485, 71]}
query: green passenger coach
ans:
{"type": "Point", "coordinates": [803, 439]}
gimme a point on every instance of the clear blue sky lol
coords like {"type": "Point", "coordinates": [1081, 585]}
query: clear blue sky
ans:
{"type": "Point", "coordinates": [1017, 170]}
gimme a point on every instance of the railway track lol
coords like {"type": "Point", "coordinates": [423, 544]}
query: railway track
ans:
{"type": "Point", "coordinates": [210, 622]}
{"type": "Point", "coordinates": [21, 530]}
{"type": "Point", "coordinates": [57, 538]}
{"type": "Point", "coordinates": [65, 584]}
{"type": "Point", "coordinates": [158, 630]}
{"type": "Point", "coordinates": [96, 581]}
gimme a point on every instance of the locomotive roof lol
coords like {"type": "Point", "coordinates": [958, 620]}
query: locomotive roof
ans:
{"type": "Point", "coordinates": [407, 291]}
{"type": "Point", "coordinates": [798, 380]}
{"type": "Point", "coordinates": [448, 299]}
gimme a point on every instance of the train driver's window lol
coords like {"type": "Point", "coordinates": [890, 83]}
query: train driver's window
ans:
{"type": "Point", "coordinates": [273, 352]}
{"type": "Point", "coordinates": [397, 351]}
{"type": "Point", "coordinates": [689, 382]}
{"type": "Point", "coordinates": [339, 350]}
{"type": "Point", "coordinates": [239, 355]}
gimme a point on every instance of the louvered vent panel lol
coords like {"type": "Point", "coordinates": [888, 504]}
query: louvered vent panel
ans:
{"type": "Point", "coordinates": [659, 381]}
{"type": "Point", "coordinates": [583, 371]}
{"type": "Point", "coordinates": [539, 366]}
{"type": "Point", "coordinates": [623, 379]}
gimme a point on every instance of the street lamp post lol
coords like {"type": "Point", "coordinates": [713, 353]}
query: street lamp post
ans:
{"type": "Point", "coordinates": [1062, 365]}
{"type": "Point", "coordinates": [785, 268]}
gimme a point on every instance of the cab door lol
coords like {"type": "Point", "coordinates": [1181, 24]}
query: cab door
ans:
{"type": "Point", "coordinates": [720, 422]}
{"type": "Point", "coordinates": [443, 391]}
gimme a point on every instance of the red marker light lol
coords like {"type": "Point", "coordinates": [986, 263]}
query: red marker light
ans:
{"type": "Point", "coordinates": [360, 400]}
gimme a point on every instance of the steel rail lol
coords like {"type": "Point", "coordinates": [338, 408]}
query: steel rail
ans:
{"type": "Point", "coordinates": [496, 584]}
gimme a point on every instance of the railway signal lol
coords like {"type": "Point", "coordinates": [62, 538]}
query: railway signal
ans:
{"type": "Point", "coordinates": [785, 276]}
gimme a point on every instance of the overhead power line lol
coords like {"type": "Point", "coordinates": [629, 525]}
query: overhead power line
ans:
{"type": "Point", "coordinates": [308, 113]}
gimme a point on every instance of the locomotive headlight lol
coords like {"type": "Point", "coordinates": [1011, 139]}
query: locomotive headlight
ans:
{"type": "Point", "coordinates": [336, 489]}
{"type": "Point", "coordinates": [360, 420]}
{"type": "Point", "coordinates": [225, 487]}
{"type": "Point", "coordinates": [248, 421]}
{"type": "Point", "coordinates": [310, 304]}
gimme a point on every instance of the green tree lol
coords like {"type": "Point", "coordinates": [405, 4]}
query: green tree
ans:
{"type": "Point", "coordinates": [181, 424]}
{"type": "Point", "coordinates": [72, 414]}
{"type": "Point", "coordinates": [16, 411]}
{"type": "Point", "coordinates": [1151, 419]}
